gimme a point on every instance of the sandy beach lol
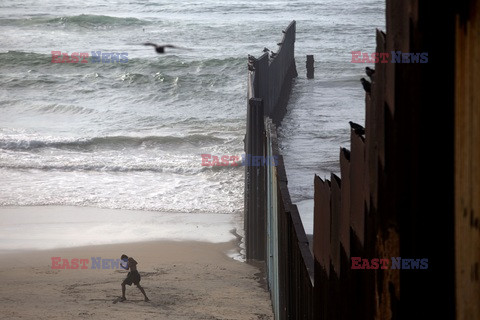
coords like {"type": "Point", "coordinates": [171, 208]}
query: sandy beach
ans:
{"type": "Point", "coordinates": [184, 280]}
{"type": "Point", "coordinates": [190, 265]}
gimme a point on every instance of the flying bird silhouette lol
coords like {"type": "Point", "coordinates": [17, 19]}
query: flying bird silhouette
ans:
{"type": "Point", "coordinates": [160, 49]}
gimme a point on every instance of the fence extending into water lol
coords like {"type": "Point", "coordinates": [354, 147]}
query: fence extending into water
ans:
{"type": "Point", "coordinates": [379, 208]}
{"type": "Point", "coordinates": [273, 229]}
{"type": "Point", "coordinates": [269, 83]}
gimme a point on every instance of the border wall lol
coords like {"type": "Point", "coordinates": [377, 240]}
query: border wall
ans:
{"type": "Point", "coordinates": [269, 83]}
{"type": "Point", "coordinates": [273, 229]}
{"type": "Point", "coordinates": [391, 199]}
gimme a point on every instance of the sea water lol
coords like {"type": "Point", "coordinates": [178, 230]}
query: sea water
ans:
{"type": "Point", "coordinates": [130, 135]}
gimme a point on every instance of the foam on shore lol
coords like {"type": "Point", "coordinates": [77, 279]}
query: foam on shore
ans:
{"type": "Point", "coordinates": [48, 227]}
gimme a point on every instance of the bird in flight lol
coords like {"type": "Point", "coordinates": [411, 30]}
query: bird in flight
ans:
{"type": "Point", "coordinates": [160, 49]}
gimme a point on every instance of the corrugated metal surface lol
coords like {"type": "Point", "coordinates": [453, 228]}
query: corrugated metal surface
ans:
{"type": "Point", "coordinates": [345, 201]}
{"type": "Point", "coordinates": [357, 197]}
{"type": "Point", "coordinates": [321, 223]}
{"type": "Point", "coordinates": [335, 211]}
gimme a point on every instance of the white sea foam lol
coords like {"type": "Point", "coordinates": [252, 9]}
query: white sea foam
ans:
{"type": "Point", "coordinates": [23, 228]}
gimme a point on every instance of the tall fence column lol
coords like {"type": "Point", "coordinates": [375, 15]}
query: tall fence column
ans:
{"type": "Point", "coordinates": [254, 169]}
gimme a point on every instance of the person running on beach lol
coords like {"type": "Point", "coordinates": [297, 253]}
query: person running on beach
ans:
{"type": "Point", "coordinates": [132, 277]}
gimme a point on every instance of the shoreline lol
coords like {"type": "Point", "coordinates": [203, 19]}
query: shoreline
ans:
{"type": "Point", "coordinates": [51, 227]}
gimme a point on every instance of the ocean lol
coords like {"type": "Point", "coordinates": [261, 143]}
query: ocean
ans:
{"type": "Point", "coordinates": [130, 135]}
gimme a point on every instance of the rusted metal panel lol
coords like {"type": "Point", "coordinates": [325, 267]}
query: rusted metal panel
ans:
{"type": "Point", "coordinates": [344, 224]}
{"type": "Point", "coordinates": [296, 263]}
{"type": "Point", "coordinates": [374, 129]}
{"type": "Point", "coordinates": [379, 103]}
{"type": "Point", "coordinates": [370, 143]}
{"type": "Point", "coordinates": [321, 247]}
{"type": "Point", "coordinates": [295, 260]}
{"type": "Point", "coordinates": [467, 159]}
{"type": "Point", "coordinates": [302, 276]}
{"type": "Point", "coordinates": [321, 223]}
{"type": "Point", "coordinates": [397, 32]}
{"type": "Point", "coordinates": [321, 292]}
{"type": "Point", "coordinates": [357, 203]}
{"type": "Point", "coordinates": [335, 212]}
{"type": "Point", "coordinates": [301, 238]}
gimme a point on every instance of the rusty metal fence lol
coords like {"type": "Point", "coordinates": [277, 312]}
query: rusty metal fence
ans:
{"type": "Point", "coordinates": [378, 208]}
{"type": "Point", "coordinates": [269, 82]}
{"type": "Point", "coordinates": [273, 229]}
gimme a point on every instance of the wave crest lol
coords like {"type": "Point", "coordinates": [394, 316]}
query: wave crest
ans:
{"type": "Point", "coordinates": [110, 142]}
{"type": "Point", "coordinates": [82, 20]}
